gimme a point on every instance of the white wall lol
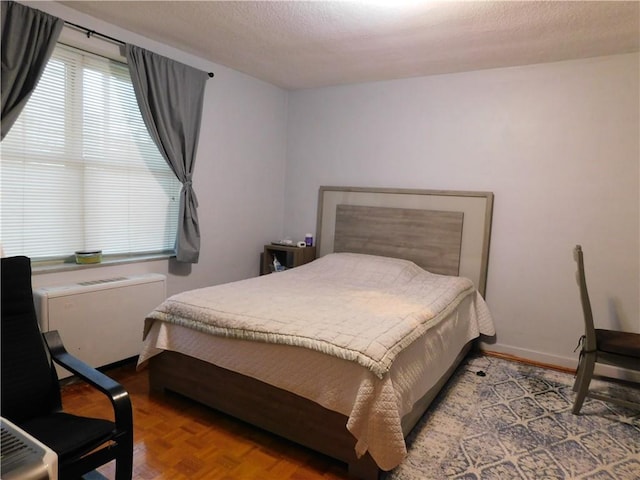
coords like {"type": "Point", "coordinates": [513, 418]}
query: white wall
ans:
{"type": "Point", "coordinates": [557, 143]}
{"type": "Point", "coordinates": [239, 172]}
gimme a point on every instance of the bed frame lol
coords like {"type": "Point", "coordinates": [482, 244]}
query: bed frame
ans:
{"type": "Point", "coordinates": [443, 231]}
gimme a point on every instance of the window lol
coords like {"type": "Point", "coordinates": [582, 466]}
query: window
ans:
{"type": "Point", "coordinates": [79, 170]}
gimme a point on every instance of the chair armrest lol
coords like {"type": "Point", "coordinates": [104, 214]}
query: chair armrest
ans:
{"type": "Point", "coordinates": [117, 394]}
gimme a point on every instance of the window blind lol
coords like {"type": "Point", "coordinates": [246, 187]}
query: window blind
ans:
{"type": "Point", "coordinates": [79, 170]}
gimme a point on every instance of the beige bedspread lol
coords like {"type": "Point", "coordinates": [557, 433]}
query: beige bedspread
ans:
{"type": "Point", "coordinates": [356, 307]}
{"type": "Point", "coordinates": [374, 406]}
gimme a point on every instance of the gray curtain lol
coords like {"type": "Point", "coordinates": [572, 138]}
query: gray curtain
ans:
{"type": "Point", "coordinates": [170, 97]}
{"type": "Point", "coordinates": [28, 39]}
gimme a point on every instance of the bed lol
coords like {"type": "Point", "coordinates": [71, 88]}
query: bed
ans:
{"type": "Point", "coordinates": [344, 354]}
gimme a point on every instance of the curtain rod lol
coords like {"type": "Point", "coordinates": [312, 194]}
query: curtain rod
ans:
{"type": "Point", "coordinates": [92, 33]}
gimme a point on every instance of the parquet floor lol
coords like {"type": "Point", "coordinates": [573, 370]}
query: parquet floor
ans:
{"type": "Point", "coordinates": [178, 439]}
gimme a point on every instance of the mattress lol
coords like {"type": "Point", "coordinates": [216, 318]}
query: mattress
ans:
{"type": "Point", "coordinates": [362, 308]}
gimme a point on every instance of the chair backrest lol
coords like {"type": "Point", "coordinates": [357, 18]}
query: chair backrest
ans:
{"type": "Point", "coordinates": [29, 383]}
{"type": "Point", "coordinates": [590, 333]}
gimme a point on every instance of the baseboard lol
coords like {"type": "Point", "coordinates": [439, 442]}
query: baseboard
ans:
{"type": "Point", "coordinates": [555, 362]}
{"type": "Point", "coordinates": [73, 379]}
{"type": "Point", "coordinates": [527, 361]}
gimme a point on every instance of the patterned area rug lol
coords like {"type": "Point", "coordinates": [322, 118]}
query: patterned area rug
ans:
{"type": "Point", "coordinates": [516, 423]}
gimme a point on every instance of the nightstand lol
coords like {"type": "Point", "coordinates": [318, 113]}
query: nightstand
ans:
{"type": "Point", "coordinates": [289, 257]}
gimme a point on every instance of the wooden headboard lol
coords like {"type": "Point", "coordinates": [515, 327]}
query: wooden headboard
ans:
{"type": "Point", "coordinates": [442, 231]}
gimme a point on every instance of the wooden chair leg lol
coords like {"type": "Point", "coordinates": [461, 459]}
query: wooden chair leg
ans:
{"type": "Point", "coordinates": [583, 379]}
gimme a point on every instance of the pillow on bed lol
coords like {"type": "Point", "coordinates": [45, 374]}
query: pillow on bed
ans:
{"type": "Point", "coordinates": [358, 267]}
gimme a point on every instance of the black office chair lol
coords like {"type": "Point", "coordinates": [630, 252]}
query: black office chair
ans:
{"type": "Point", "coordinates": [612, 347]}
{"type": "Point", "coordinates": [31, 396]}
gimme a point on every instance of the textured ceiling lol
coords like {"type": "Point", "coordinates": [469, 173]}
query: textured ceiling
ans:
{"type": "Point", "coordinates": [299, 44]}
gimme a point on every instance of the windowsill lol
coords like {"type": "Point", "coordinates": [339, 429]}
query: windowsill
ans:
{"type": "Point", "coordinates": [69, 265]}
